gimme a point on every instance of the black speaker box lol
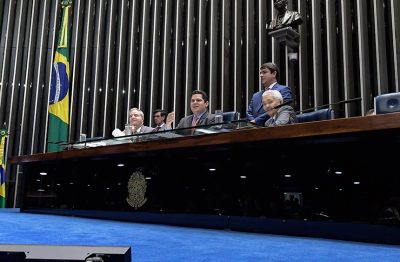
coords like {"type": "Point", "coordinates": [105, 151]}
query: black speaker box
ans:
{"type": "Point", "coordinates": [64, 253]}
{"type": "Point", "coordinates": [387, 103]}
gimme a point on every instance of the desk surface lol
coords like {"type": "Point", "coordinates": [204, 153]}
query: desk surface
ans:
{"type": "Point", "coordinates": [333, 127]}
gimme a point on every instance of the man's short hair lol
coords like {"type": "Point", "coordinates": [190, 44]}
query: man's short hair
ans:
{"type": "Point", "coordinates": [161, 111]}
{"type": "Point", "coordinates": [137, 109]}
{"type": "Point", "coordinates": [271, 67]}
{"type": "Point", "coordinates": [202, 93]}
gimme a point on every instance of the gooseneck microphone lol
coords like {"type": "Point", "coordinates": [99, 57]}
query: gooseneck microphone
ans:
{"type": "Point", "coordinates": [331, 104]}
{"type": "Point", "coordinates": [283, 104]}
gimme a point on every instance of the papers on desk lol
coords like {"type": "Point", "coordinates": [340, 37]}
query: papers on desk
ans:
{"type": "Point", "coordinates": [89, 144]}
{"type": "Point", "coordinates": [166, 135]}
{"type": "Point", "coordinates": [206, 131]}
{"type": "Point", "coordinates": [117, 133]}
{"type": "Point", "coordinates": [95, 144]}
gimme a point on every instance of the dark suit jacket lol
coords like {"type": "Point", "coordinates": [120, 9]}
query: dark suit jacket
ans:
{"type": "Point", "coordinates": [256, 111]}
{"type": "Point", "coordinates": [162, 128]}
{"type": "Point", "coordinates": [205, 119]}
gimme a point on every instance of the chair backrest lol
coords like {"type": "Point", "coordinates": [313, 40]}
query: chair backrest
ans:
{"type": "Point", "coordinates": [230, 116]}
{"type": "Point", "coordinates": [321, 114]}
{"type": "Point", "coordinates": [387, 103]}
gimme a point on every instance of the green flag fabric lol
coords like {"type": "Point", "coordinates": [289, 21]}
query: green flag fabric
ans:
{"type": "Point", "coordinates": [59, 95]}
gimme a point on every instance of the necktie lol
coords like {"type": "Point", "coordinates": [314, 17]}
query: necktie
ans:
{"type": "Point", "coordinates": [158, 128]}
{"type": "Point", "coordinates": [195, 120]}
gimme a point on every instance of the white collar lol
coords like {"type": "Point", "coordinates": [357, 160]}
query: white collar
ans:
{"type": "Point", "coordinates": [138, 130]}
{"type": "Point", "coordinates": [271, 86]}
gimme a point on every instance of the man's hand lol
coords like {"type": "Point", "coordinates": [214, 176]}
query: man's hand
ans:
{"type": "Point", "coordinates": [170, 120]}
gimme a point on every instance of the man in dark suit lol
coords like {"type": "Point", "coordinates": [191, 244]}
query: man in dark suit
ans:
{"type": "Point", "coordinates": [200, 116]}
{"type": "Point", "coordinates": [269, 76]}
{"type": "Point", "coordinates": [159, 116]}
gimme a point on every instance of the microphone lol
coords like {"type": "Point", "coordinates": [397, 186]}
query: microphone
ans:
{"type": "Point", "coordinates": [283, 104]}
{"type": "Point", "coordinates": [326, 105]}
{"type": "Point", "coordinates": [278, 106]}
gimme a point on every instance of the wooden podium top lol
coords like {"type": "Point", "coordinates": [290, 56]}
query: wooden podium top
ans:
{"type": "Point", "coordinates": [342, 126]}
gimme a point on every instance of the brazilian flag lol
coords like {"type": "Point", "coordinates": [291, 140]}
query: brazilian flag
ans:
{"type": "Point", "coordinates": [59, 95]}
{"type": "Point", "coordinates": [3, 136]}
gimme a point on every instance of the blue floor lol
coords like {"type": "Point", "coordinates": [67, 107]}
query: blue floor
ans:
{"type": "Point", "coordinates": [168, 243]}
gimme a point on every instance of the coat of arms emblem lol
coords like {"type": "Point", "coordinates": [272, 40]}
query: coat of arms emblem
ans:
{"type": "Point", "coordinates": [137, 189]}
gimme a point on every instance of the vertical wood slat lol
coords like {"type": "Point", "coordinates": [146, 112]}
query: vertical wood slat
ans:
{"type": "Point", "coordinates": [274, 44]}
{"type": "Point", "coordinates": [85, 68]}
{"type": "Point", "coordinates": [97, 71]}
{"type": "Point", "coordinates": [304, 82]}
{"type": "Point", "coordinates": [348, 83]}
{"type": "Point", "coordinates": [178, 56]}
{"type": "Point", "coordinates": [120, 46]}
{"type": "Point", "coordinates": [27, 79]}
{"type": "Point", "coordinates": [213, 56]}
{"type": "Point", "coordinates": [143, 54]}
{"type": "Point", "coordinates": [189, 47]}
{"type": "Point", "coordinates": [75, 61]}
{"type": "Point", "coordinates": [224, 55]}
{"type": "Point", "coordinates": [262, 44]}
{"type": "Point", "coordinates": [15, 73]}
{"type": "Point", "coordinates": [133, 39]}
{"type": "Point", "coordinates": [167, 60]}
{"type": "Point", "coordinates": [332, 54]}
{"type": "Point", "coordinates": [380, 47]}
{"type": "Point", "coordinates": [237, 55]}
{"type": "Point", "coordinates": [4, 18]}
{"type": "Point", "coordinates": [250, 56]}
{"type": "Point", "coordinates": [109, 69]}
{"type": "Point", "coordinates": [317, 52]}
{"type": "Point", "coordinates": [200, 46]}
{"type": "Point", "coordinates": [39, 85]}
{"type": "Point", "coordinates": [395, 20]}
{"type": "Point", "coordinates": [363, 61]}
{"type": "Point", "coordinates": [154, 66]}
{"type": "Point", "coordinates": [6, 54]}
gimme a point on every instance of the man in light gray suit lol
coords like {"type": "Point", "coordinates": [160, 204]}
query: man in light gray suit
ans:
{"type": "Point", "coordinates": [200, 116]}
{"type": "Point", "coordinates": [136, 118]}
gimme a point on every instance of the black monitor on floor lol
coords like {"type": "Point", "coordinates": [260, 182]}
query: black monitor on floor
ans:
{"type": "Point", "coordinates": [9, 252]}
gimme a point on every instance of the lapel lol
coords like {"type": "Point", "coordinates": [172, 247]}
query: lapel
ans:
{"type": "Point", "coordinates": [142, 130]}
{"type": "Point", "coordinates": [202, 119]}
{"type": "Point", "coordinates": [189, 121]}
{"type": "Point", "coordinates": [275, 87]}
{"type": "Point", "coordinates": [260, 105]}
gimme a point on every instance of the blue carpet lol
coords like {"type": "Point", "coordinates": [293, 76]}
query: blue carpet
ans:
{"type": "Point", "coordinates": [168, 243]}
